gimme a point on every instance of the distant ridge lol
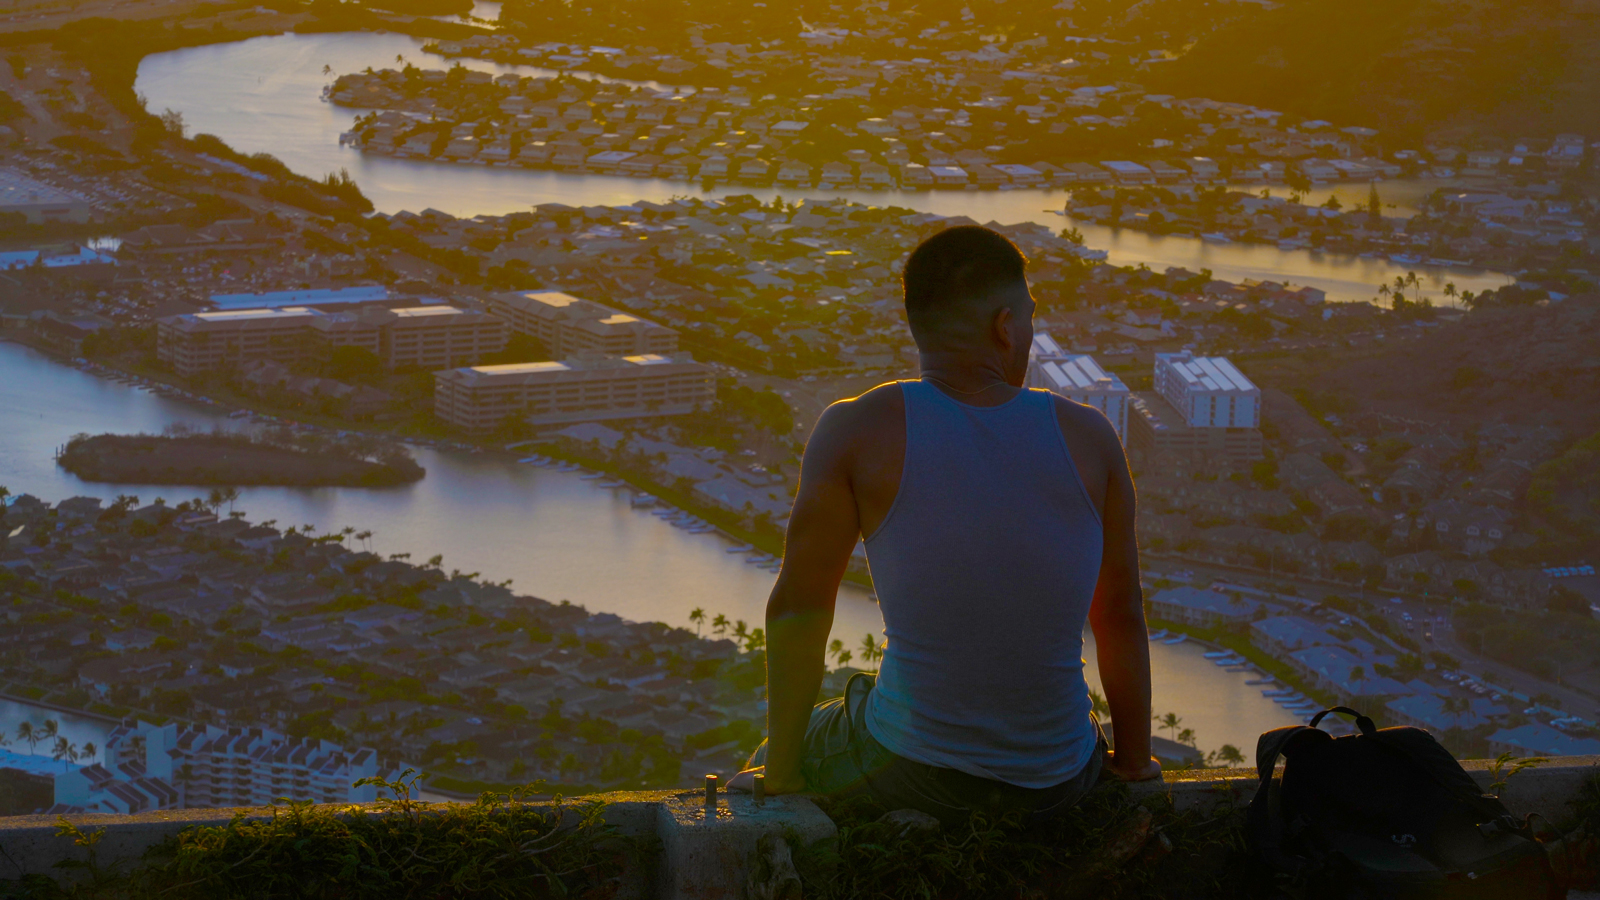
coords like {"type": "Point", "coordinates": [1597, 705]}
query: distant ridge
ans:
{"type": "Point", "coordinates": [1450, 69]}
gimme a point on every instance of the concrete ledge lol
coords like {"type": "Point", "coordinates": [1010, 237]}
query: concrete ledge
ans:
{"type": "Point", "coordinates": [734, 852]}
{"type": "Point", "coordinates": [1546, 788]}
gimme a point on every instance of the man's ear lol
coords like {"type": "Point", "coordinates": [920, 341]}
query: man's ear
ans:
{"type": "Point", "coordinates": [1000, 328]}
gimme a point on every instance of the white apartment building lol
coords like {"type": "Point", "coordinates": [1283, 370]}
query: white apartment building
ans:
{"type": "Point", "coordinates": [582, 389]}
{"type": "Point", "coordinates": [1078, 377]}
{"type": "Point", "coordinates": [568, 325]}
{"type": "Point", "coordinates": [207, 766]}
{"type": "Point", "coordinates": [192, 343]}
{"type": "Point", "coordinates": [431, 337]}
{"type": "Point", "coordinates": [426, 337]}
{"type": "Point", "coordinates": [1207, 391]}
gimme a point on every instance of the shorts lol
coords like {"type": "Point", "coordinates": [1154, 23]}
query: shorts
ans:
{"type": "Point", "coordinates": [843, 759]}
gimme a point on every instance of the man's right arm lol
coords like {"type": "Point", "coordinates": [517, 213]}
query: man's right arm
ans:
{"type": "Point", "coordinates": [1117, 616]}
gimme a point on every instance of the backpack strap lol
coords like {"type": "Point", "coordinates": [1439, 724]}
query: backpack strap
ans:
{"type": "Point", "coordinates": [1264, 820]}
{"type": "Point", "coordinates": [1362, 722]}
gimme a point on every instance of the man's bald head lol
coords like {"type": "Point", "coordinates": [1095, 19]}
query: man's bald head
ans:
{"type": "Point", "coordinates": [956, 280]}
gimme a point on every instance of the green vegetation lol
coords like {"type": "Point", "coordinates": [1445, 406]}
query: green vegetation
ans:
{"type": "Point", "coordinates": [1566, 490]}
{"type": "Point", "coordinates": [1106, 847]}
{"type": "Point", "coordinates": [1553, 644]}
{"type": "Point", "coordinates": [231, 459]}
{"type": "Point", "coordinates": [1407, 67]}
{"type": "Point", "coordinates": [499, 846]}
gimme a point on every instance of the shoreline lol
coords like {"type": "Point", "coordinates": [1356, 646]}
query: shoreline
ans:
{"type": "Point", "coordinates": [771, 543]}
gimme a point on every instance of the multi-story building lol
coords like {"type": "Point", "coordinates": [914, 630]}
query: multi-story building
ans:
{"type": "Point", "coordinates": [568, 325]}
{"type": "Point", "coordinates": [432, 337]}
{"type": "Point", "coordinates": [581, 389]}
{"type": "Point", "coordinates": [192, 343]}
{"type": "Point", "coordinates": [1208, 391]}
{"type": "Point", "coordinates": [1154, 427]}
{"type": "Point", "coordinates": [426, 337]}
{"type": "Point", "coordinates": [1078, 377]}
{"type": "Point", "coordinates": [207, 766]}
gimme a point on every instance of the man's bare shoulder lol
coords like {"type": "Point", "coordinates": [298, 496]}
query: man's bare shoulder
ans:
{"type": "Point", "coordinates": [1087, 421]}
{"type": "Point", "coordinates": [863, 418]}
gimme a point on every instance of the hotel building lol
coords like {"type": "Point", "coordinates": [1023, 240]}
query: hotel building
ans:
{"type": "Point", "coordinates": [582, 389]}
{"type": "Point", "coordinates": [569, 326]}
{"type": "Point", "coordinates": [1202, 407]}
{"type": "Point", "coordinates": [207, 766]}
{"type": "Point", "coordinates": [1078, 377]}
{"type": "Point", "coordinates": [430, 337]}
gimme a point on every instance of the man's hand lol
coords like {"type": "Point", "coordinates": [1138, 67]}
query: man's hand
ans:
{"type": "Point", "coordinates": [1132, 769]}
{"type": "Point", "coordinates": [745, 782]}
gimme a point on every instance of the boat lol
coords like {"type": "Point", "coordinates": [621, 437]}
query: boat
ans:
{"type": "Point", "coordinates": [1217, 654]}
{"type": "Point", "coordinates": [1277, 692]}
{"type": "Point", "coordinates": [1227, 662]}
{"type": "Point", "coordinates": [608, 483]}
{"type": "Point", "coordinates": [529, 461]}
{"type": "Point", "coordinates": [1404, 259]}
{"type": "Point", "coordinates": [591, 476]}
{"type": "Point", "coordinates": [641, 501]}
{"type": "Point", "coordinates": [1158, 635]}
{"type": "Point", "coordinates": [1216, 237]}
{"type": "Point", "coordinates": [737, 548]}
{"type": "Point", "coordinates": [1255, 681]}
{"type": "Point", "coordinates": [1176, 640]}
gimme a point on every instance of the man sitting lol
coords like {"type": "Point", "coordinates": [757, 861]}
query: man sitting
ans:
{"type": "Point", "coordinates": [997, 520]}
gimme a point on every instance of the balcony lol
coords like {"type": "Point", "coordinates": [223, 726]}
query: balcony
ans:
{"type": "Point", "coordinates": [741, 851]}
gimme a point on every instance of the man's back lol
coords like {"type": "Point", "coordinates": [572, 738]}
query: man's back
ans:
{"type": "Point", "coordinates": [994, 518]}
{"type": "Point", "coordinates": [985, 566]}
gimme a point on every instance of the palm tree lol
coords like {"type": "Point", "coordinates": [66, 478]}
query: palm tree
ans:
{"type": "Point", "coordinates": [844, 657]}
{"type": "Point", "coordinates": [719, 625]}
{"type": "Point", "coordinates": [1171, 721]}
{"type": "Point", "coordinates": [365, 537]}
{"type": "Point", "coordinates": [1229, 754]}
{"type": "Point", "coordinates": [50, 730]}
{"type": "Point", "coordinates": [27, 733]}
{"type": "Point", "coordinates": [64, 752]}
{"type": "Point", "coordinates": [698, 617]}
{"type": "Point", "coordinates": [740, 631]}
{"type": "Point", "coordinates": [836, 647]}
{"type": "Point", "coordinates": [89, 749]}
{"type": "Point", "coordinates": [870, 652]}
{"type": "Point", "coordinates": [757, 640]}
{"type": "Point", "coordinates": [1186, 736]}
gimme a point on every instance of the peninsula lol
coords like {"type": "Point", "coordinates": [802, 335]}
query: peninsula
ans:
{"type": "Point", "coordinates": [225, 459]}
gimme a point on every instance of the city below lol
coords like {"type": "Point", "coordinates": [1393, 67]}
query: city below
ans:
{"type": "Point", "coordinates": [410, 395]}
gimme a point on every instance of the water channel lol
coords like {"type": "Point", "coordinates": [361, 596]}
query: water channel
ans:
{"type": "Point", "coordinates": [260, 95]}
{"type": "Point", "coordinates": [557, 536]}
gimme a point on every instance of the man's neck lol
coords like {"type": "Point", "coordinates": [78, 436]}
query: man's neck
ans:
{"type": "Point", "coordinates": [980, 382]}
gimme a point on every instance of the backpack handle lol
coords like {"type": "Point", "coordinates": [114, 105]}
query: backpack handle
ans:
{"type": "Point", "coordinates": [1362, 722]}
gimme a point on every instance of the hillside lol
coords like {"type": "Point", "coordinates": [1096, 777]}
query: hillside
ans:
{"type": "Point", "coordinates": [1520, 365]}
{"type": "Point", "coordinates": [1410, 68]}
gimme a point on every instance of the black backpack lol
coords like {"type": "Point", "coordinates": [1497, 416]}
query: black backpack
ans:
{"type": "Point", "coordinates": [1386, 814]}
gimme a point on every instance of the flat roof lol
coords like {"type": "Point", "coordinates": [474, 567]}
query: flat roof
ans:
{"type": "Point", "coordinates": [548, 298]}
{"type": "Point", "coordinates": [239, 315]}
{"type": "Point", "coordinates": [313, 297]}
{"type": "Point", "coordinates": [1080, 372]}
{"type": "Point", "coordinates": [413, 312]}
{"type": "Point", "coordinates": [1212, 373]}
